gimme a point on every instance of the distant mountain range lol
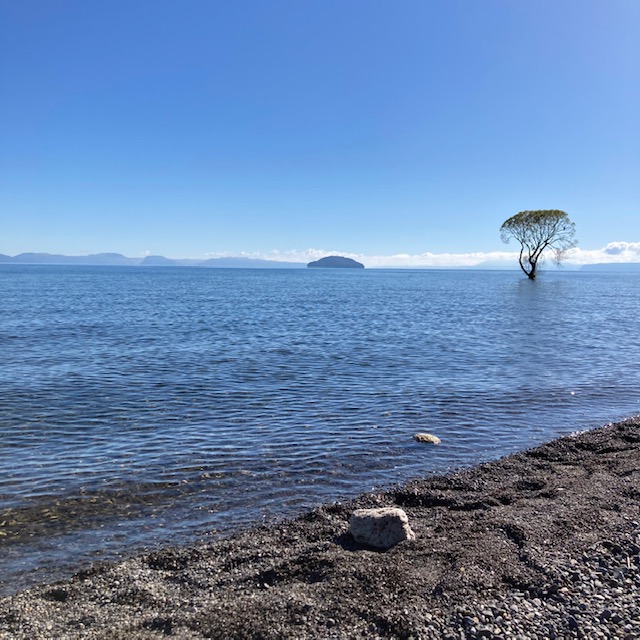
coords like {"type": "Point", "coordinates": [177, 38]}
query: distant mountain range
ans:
{"type": "Point", "coordinates": [117, 259]}
{"type": "Point", "coordinates": [612, 266]}
{"type": "Point", "coordinates": [52, 258]}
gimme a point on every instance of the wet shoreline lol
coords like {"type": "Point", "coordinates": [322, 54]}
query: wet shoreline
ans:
{"type": "Point", "coordinates": [544, 542]}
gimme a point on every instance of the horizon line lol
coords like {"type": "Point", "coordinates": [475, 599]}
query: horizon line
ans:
{"type": "Point", "coordinates": [613, 253]}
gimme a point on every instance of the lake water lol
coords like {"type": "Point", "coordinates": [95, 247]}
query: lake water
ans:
{"type": "Point", "coordinates": [148, 406]}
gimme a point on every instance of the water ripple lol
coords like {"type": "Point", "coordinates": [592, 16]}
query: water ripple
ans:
{"type": "Point", "coordinates": [141, 406]}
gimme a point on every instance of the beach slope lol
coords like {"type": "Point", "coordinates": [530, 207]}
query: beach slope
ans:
{"type": "Point", "coordinates": [543, 543]}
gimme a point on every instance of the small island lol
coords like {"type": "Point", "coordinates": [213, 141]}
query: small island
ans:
{"type": "Point", "coordinates": [335, 262]}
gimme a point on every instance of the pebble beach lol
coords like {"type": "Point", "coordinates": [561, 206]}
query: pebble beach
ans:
{"type": "Point", "coordinates": [544, 543]}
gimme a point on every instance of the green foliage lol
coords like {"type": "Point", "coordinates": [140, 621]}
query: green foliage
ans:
{"type": "Point", "coordinates": [538, 231]}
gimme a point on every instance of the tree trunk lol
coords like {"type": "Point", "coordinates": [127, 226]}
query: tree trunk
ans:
{"type": "Point", "coordinates": [531, 271]}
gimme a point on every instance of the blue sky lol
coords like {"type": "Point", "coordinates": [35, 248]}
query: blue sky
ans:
{"type": "Point", "coordinates": [399, 132]}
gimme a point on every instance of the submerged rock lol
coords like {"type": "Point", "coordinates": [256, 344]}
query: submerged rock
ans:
{"type": "Point", "coordinates": [380, 528]}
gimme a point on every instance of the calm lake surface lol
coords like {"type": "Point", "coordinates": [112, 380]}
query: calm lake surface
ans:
{"type": "Point", "coordinates": [147, 406]}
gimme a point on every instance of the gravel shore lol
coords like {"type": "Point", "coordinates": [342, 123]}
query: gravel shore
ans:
{"type": "Point", "coordinates": [541, 544]}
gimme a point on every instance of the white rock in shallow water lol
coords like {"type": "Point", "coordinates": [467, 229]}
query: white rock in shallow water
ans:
{"type": "Point", "coordinates": [380, 528]}
{"type": "Point", "coordinates": [427, 437]}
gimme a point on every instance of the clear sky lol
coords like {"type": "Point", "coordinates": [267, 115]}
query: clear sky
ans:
{"type": "Point", "coordinates": [400, 132]}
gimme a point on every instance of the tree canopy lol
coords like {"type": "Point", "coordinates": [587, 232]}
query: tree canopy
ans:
{"type": "Point", "coordinates": [538, 231]}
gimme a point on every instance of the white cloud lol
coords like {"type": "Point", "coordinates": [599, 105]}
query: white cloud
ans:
{"type": "Point", "coordinates": [428, 259]}
{"type": "Point", "coordinates": [442, 260]}
{"type": "Point", "coordinates": [612, 252]}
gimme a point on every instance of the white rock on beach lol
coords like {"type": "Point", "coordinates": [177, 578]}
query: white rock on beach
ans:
{"type": "Point", "coordinates": [380, 528]}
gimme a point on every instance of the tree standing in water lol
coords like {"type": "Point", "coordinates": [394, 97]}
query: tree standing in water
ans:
{"type": "Point", "coordinates": [537, 231]}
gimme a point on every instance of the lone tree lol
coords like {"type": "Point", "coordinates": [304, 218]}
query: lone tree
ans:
{"type": "Point", "coordinates": [537, 231]}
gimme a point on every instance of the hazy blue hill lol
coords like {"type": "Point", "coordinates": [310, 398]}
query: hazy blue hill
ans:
{"type": "Point", "coordinates": [613, 266]}
{"type": "Point", "coordinates": [117, 259]}
{"type": "Point", "coordinates": [159, 261]}
{"type": "Point", "coordinates": [38, 258]}
{"type": "Point", "coordinates": [108, 258]}
{"type": "Point", "coordinates": [95, 259]}
{"type": "Point", "coordinates": [335, 262]}
{"type": "Point", "coordinates": [250, 263]}
{"type": "Point", "coordinates": [185, 262]}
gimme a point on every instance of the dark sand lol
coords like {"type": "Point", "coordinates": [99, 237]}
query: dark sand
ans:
{"type": "Point", "coordinates": [543, 543]}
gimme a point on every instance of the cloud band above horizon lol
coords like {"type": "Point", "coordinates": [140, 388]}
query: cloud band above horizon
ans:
{"type": "Point", "coordinates": [614, 252]}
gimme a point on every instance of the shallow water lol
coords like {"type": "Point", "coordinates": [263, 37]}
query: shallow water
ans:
{"type": "Point", "coordinates": [142, 406]}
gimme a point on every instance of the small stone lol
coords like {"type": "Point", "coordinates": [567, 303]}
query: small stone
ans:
{"type": "Point", "coordinates": [427, 437]}
{"type": "Point", "coordinates": [380, 528]}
